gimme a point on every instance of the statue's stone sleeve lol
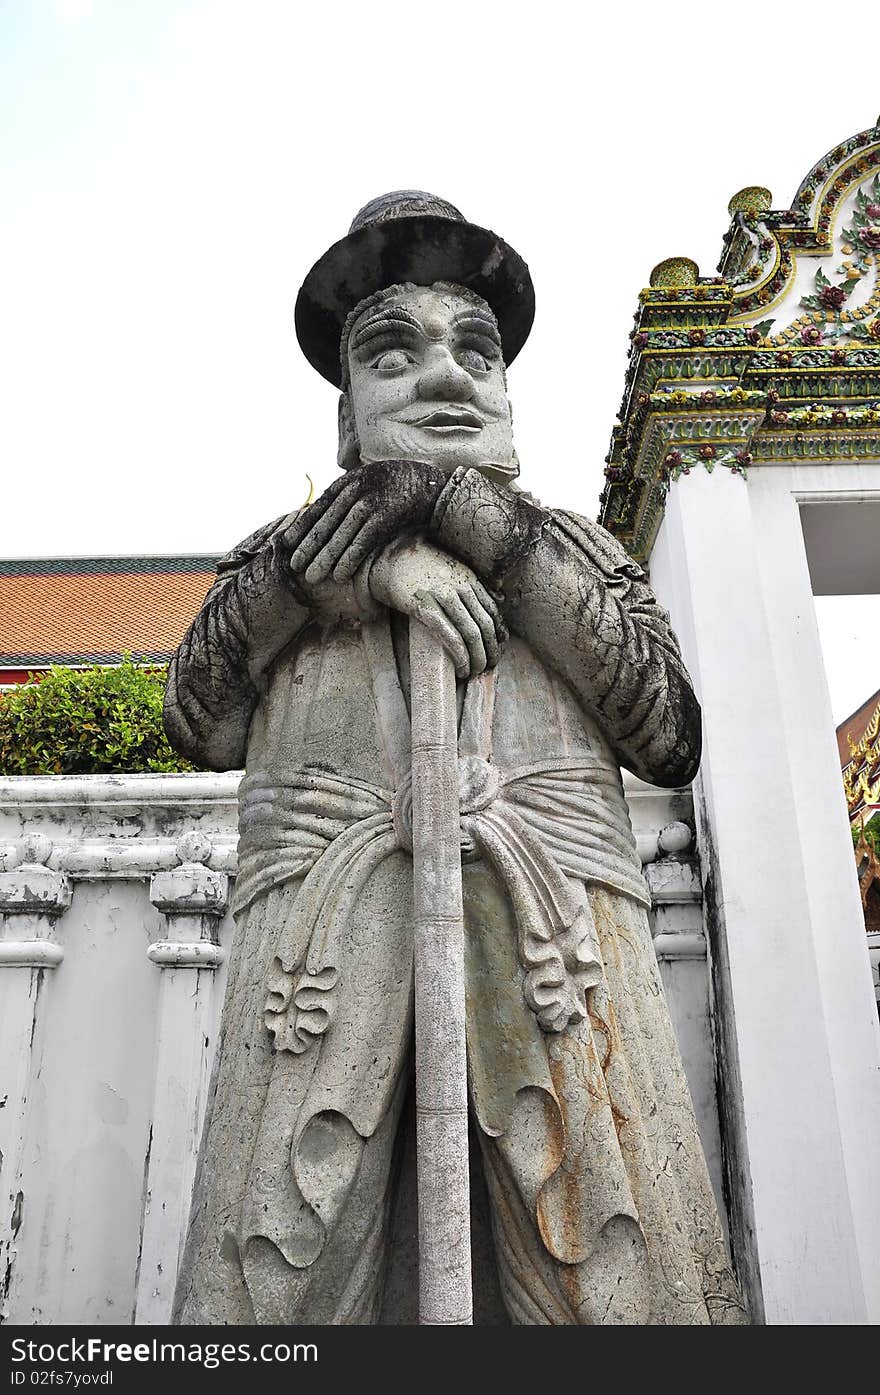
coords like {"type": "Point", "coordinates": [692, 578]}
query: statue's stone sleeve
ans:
{"type": "Point", "coordinates": [586, 608]}
{"type": "Point", "coordinates": [253, 610]}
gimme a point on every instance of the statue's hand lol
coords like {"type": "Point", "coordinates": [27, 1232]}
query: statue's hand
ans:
{"type": "Point", "coordinates": [417, 579]}
{"type": "Point", "coordinates": [359, 514]}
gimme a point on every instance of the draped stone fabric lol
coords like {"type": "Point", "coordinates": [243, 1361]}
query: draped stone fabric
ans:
{"type": "Point", "coordinates": [602, 1210]}
{"type": "Point", "coordinates": [601, 1146]}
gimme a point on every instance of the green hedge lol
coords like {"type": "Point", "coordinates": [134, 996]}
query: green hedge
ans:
{"type": "Point", "coordinates": [86, 722]}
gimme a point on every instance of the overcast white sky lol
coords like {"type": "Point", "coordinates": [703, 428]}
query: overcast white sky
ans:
{"type": "Point", "coordinates": [169, 172]}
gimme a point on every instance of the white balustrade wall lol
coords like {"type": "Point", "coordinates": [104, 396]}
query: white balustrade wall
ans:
{"type": "Point", "coordinates": [114, 935]}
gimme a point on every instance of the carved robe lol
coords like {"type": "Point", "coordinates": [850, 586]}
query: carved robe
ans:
{"type": "Point", "coordinates": [602, 1210]}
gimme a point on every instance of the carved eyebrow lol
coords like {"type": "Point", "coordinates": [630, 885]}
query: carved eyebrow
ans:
{"type": "Point", "coordinates": [384, 320]}
{"type": "Point", "coordinates": [481, 322]}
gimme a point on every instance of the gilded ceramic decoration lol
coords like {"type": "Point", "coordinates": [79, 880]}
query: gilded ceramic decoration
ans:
{"type": "Point", "coordinates": [751, 201]}
{"type": "Point", "coordinates": [761, 249]}
{"type": "Point", "coordinates": [861, 777]}
{"type": "Point", "coordinates": [832, 316]}
{"type": "Point", "coordinates": [675, 271]}
{"type": "Point", "coordinates": [710, 384]}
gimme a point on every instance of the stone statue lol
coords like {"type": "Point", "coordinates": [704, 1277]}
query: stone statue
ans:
{"type": "Point", "coordinates": [297, 669]}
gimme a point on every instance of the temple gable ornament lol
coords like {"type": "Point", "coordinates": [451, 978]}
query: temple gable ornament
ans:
{"type": "Point", "coordinates": [774, 359]}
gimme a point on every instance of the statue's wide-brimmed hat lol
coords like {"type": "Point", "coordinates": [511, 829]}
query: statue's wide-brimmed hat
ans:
{"type": "Point", "coordinates": [410, 236]}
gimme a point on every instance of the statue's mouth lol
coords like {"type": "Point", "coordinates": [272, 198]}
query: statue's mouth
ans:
{"type": "Point", "coordinates": [449, 419]}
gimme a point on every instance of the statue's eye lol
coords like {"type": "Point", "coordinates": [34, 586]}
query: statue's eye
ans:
{"type": "Point", "coordinates": [392, 361]}
{"type": "Point", "coordinates": [472, 361]}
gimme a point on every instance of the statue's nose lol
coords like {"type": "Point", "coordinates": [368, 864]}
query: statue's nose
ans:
{"type": "Point", "coordinates": [443, 379]}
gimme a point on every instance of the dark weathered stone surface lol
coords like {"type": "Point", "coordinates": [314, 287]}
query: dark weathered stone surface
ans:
{"type": "Point", "coordinates": [415, 237]}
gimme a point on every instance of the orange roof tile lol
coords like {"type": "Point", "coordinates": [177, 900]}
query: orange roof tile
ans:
{"type": "Point", "coordinates": [95, 609]}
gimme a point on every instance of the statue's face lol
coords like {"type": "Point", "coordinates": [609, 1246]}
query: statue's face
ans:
{"type": "Point", "coordinates": [427, 383]}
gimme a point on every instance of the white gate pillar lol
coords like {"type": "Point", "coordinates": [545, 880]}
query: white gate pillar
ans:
{"type": "Point", "coordinates": [191, 899]}
{"type": "Point", "coordinates": [795, 1021]}
{"type": "Point", "coordinates": [32, 897]}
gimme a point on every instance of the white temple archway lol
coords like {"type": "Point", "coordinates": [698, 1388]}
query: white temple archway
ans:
{"type": "Point", "coordinates": [749, 447]}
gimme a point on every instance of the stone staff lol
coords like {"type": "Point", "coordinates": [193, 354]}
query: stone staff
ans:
{"type": "Point", "coordinates": [445, 1296]}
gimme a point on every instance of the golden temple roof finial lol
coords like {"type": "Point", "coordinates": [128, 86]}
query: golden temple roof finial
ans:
{"type": "Point", "coordinates": [752, 200]}
{"type": "Point", "coordinates": [675, 271]}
